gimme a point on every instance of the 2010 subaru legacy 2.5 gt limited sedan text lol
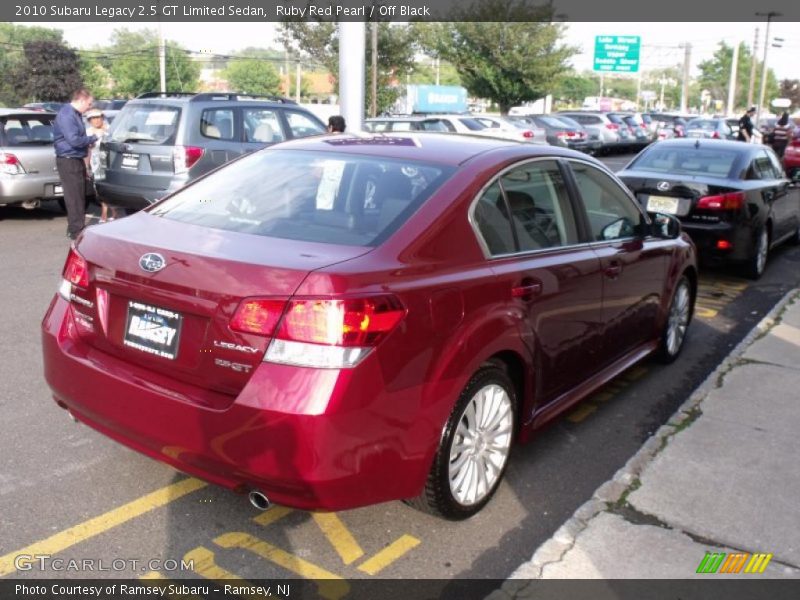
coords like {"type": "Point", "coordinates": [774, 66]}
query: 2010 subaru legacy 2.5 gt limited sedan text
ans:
{"type": "Point", "coordinates": [346, 320]}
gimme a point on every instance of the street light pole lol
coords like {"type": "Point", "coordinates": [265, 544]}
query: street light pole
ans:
{"type": "Point", "coordinates": [769, 16]}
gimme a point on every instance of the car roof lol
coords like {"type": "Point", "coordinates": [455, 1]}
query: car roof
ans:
{"type": "Point", "coordinates": [4, 112]}
{"type": "Point", "coordinates": [442, 148]}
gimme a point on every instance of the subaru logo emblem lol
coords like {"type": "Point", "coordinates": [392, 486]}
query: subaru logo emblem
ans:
{"type": "Point", "coordinates": [152, 262]}
{"type": "Point", "coordinates": [663, 186]}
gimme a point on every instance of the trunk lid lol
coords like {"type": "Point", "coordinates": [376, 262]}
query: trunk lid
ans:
{"type": "Point", "coordinates": [175, 321]}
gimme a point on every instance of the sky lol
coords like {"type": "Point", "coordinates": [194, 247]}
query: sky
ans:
{"type": "Point", "coordinates": [660, 41]}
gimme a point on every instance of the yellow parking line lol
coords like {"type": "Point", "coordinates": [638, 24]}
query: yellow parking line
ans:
{"type": "Point", "coordinates": [340, 538]}
{"type": "Point", "coordinates": [388, 555]}
{"type": "Point", "coordinates": [602, 397]}
{"type": "Point", "coordinates": [206, 566]}
{"type": "Point", "coordinates": [88, 529]}
{"type": "Point", "coordinates": [334, 589]}
{"type": "Point", "coordinates": [273, 514]}
{"type": "Point", "coordinates": [636, 373]}
{"type": "Point", "coordinates": [702, 312]}
{"type": "Point", "coordinates": [580, 413]}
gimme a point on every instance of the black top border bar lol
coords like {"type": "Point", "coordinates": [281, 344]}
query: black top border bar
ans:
{"type": "Point", "coordinates": [610, 11]}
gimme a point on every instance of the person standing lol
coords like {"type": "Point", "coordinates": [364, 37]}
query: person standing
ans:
{"type": "Point", "coordinates": [780, 136]}
{"type": "Point", "coordinates": [98, 128]}
{"type": "Point", "coordinates": [72, 146]}
{"type": "Point", "coordinates": [746, 125]}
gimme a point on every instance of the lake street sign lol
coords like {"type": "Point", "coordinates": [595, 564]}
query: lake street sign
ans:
{"type": "Point", "coordinates": [616, 53]}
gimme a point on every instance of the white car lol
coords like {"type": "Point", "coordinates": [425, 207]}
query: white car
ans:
{"type": "Point", "coordinates": [513, 130]}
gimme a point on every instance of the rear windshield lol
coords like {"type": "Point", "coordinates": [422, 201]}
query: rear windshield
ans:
{"type": "Point", "coordinates": [472, 124]}
{"type": "Point", "coordinates": [708, 162]}
{"type": "Point", "coordinates": [310, 196]}
{"type": "Point", "coordinates": [615, 119]}
{"type": "Point", "coordinates": [27, 130]}
{"type": "Point", "coordinates": [704, 125]}
{"type": "Point", "coordinates": [146, 124]}
{"type": "Point", "coordinates": [552, 122]}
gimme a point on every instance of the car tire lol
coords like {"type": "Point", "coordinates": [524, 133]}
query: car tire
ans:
{"type": "Point", "coordinates": [468, 467]}
{"type": "Point", "coordinates": [679, 315]}
{"type": "Point", "coordinates": [757, 263]}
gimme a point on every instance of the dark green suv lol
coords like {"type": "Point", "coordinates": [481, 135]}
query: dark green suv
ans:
{"type": "Point", "coordinates": [161, 141]}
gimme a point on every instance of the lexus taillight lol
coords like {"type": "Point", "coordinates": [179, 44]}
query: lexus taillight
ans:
{"type": "Point", "coordinates": [184, 157]}
{"type": "Point", "coordinates": [732, 201]}
{"type": "Point", "coordinates": [76, 273]}
{"type": "Point", "coordinates": [333, 333]}
{"type": "Point", "coordinates": [10, 165]}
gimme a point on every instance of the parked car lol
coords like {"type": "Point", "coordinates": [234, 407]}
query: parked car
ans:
{"type": "Point", "coordinates": [53, 107]}
{"type": "Point", "coordinates": [733, 123]}
{"type": "Point", "coordinates": [607, 131]}
{"type": "Point", "coordinates": [711, 128]}
{"type": "Point", "coordinates": [513, 130]}
{"type": "Point", "coordinates": [558, 132]}
{"type": "Point", "coordinates": [791, 156]}
{"type": "Point", "coordinates": [403, 123]}
{"type": "Point", "coordinates": [733, 199]}
{"type": "Point", "coordinates": [671, 125]}
{"type": "Point", "coordinates": [160, 142]}
{"type": "Point", "coordinates": [627, 132]}
{"type": "Point", "coordinates": [28, 173]}
{"type": "Point", "coordinates": [641, 136]}
{"type": "Point", "coordinates": [593, 143]}
{"type": "Point", "coordinates": [272, 328]}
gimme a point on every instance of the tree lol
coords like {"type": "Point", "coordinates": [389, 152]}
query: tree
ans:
{"type": "Point", "coordinates": [96, 78]}
{"type": "Point", "coordinates": [132, 60]}
{"type": "Point", "coordinates": [319, 42]}
{"type": "Point", "coordinates": [253, 76]}
{"type": "Point", "coordinates": [790, 88]}
{"type": "Point", "coordinates": [508, 62]}
{"type": "Point", "coordinates": [49, 72]}
{"type": "Point", "coordinates": [12, 39]}
{"type": "Point", "coordinates": [715, 74]}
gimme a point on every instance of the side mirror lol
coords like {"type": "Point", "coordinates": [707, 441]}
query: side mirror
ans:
{"type": "Point", "coordinates": [665, 227]}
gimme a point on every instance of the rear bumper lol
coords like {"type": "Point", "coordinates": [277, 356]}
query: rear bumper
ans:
{"type": "Point", "coordinates": [128, 197]}
{"type": "Point", "coordinates": [706, 237]}
{"type": "Point", "coordinates": [19, 188]}
{"type": "Point", "coordinates": [312, 439]}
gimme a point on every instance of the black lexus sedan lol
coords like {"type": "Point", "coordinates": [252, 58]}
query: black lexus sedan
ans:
{"type": "Point", "coordinates": [732, 198]}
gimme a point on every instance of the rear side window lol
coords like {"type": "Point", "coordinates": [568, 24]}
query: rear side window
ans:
{"type": "Point", "coordinates": [27, 130]}
{"type": "Point", "coordinates": [303, 125]}
{"type": "Point", "coordinates": [310, 196]}
{"type": "Point", "coordinates": [146, 124]}
{"type": "Point", "coordinates": [218, 124]}
{"type": "Point", "coordinates": [262, 126]}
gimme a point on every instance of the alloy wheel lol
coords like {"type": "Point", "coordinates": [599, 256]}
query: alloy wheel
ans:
{"type": "Point", "coordinates": [679, 314]}
{"type": "Point", "coordinates": [481, 445]}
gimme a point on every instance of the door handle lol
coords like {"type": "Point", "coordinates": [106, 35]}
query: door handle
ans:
{"type": "Point", "coordinates": [526, 290]}
{"type": "Point", "coordinates": [612, 271]}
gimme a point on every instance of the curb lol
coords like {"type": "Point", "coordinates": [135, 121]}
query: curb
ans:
{"type": "Point", "coordinates": [617, 488]}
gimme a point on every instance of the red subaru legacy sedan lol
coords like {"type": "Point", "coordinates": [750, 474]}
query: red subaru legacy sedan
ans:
{"type": "Point", "coordinates": [346, 320]}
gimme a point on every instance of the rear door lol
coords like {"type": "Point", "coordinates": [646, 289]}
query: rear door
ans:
{"type": "Point", "coordinates": [529, 228]}
{"type": "Point", "coordinates": [633, 265]}
{"type": "Point", "coordinates": [141, 144]}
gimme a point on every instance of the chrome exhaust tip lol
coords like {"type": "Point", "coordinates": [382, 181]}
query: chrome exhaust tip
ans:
{"type": "Point", "coordinates": [259, 500]}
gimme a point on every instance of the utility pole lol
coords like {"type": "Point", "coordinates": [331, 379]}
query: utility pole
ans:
{"type": "Point", "coordinates": [162, 60]}
{"type": "Point", "coordinates": [373, 110]}
{"type": "Point", "coordinates": [352, 40]}
{"type": "Point", "coordinates": [769, 16]}
{"type": "Point", "coordinates": [732, 82]}
{"type": "Point", "coordinates": [752, 71]}
{"type": "Point", "coordinates": [687, 61]}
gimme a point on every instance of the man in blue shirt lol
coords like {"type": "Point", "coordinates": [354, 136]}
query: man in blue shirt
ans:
{"type": "Point", "coordinates": [72, 145]}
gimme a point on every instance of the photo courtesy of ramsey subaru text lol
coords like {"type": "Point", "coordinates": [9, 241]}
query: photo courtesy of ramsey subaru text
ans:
{"type": "Point", "coordinates": [351, 319]}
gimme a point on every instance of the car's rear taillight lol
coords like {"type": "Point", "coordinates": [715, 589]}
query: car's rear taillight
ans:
{"type": "Point", "coordinates": [612, 126]}
{"type": "Point", "coordinates": [10, 165]}
{"type": "Point", "coordinates": [76, 273]}
{"type": "Point", "coordinates": [184, 157]}
{"type": "Point", "coordinates": [715, 135]}
{"type": "Point", "coordinates": [528, 134]}
{"type": "Point", "coordinates": [258, 316]}
{"type": "Point", "coordinates": [332, 333]}
{"type": "Point", "coordinates": [732, 201]}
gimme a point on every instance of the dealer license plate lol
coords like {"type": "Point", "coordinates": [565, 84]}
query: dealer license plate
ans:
{"type": "Point", "coordinates": [152, 329]}
{"type": "Point", "coordinates": [130, 161]}
{"type": "Point", "coordinates": [662, 204]}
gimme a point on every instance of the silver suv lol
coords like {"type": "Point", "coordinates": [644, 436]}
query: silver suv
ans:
{"type": "Point", "coordinates": [27, 161]}
{"type": "Point", "coordinates": [160, 142]}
